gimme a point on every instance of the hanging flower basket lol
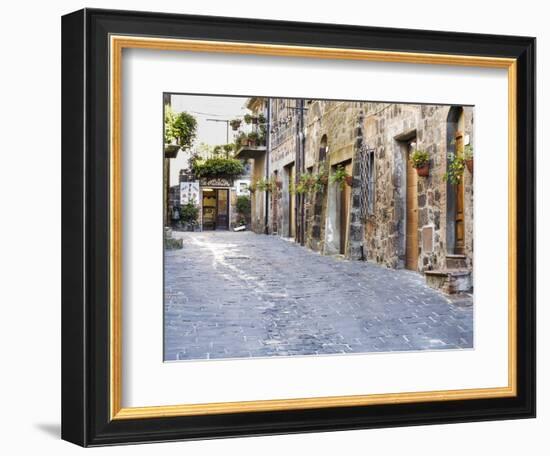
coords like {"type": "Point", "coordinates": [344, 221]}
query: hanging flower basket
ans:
{"type": "Point", "coordinates": [349, 180]}
{"type": "Point", "coordinates": [470, 165]}
{"type": "Point", "coordinates": [235, 124]}
{"type": "Point", "coordinates": [171, 150]}
{"type": "Point", "coordinates": [420, 160]}
{"type": "Point", "coordinates": [423, 171]}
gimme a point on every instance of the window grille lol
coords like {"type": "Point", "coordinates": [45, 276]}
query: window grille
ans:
{"type": "Point", "coordinates": [367, 171]}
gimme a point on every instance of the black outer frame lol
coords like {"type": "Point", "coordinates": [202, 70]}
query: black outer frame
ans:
{"type": "Point", "coordinates": [85, 227]}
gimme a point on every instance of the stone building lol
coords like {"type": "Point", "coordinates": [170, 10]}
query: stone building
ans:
{"type": "Point", "coordinates": [216, 198]}
{"type": "Point", "coordinates": [256, 155]}
{"type": "Point", "coordinates": [389, 214]}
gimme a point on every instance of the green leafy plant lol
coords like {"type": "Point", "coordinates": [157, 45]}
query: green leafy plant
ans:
{"type": "Point", "coordinates": [228, 148]}
{"type": "Point", "coordinates": [223, 150]}
{"type": "Point", "coordinates": [264, 185]}
{"type": "Point", "coordinates": [249, 118]}
{"type": "Point", "coordinates": [241, 139]}
{"type": "Point", "coordinates": [243, 209]}
{"type": "Point", "coordinates": [180, 128]}
{"type": "Point", "coordinates": [468, 152]}
{"type": "Point", "coordinates": [189, 213]}
{"type": "Point", "coordinates": [217, 151]}
{"type": "Point", "coordinates": [455, 169]}
{"type": "Point", "coordinates": [218, 167]}
{"type": "Point", "coordinates": [253, 138]}
{"type": "Point", "coordinates": [235, 124]}
{"type": "Point", "coordinates": [340, 176]}
{"type": "Point", "coordinates": [322, 175]}
{"type": "Point", "coordinates": [419, 158]}
{"type": "Point", "coordinates": [309, 183]}
{"type": "Point", "coordinates": [292, 188]}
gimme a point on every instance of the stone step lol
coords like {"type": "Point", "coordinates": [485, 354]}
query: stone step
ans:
{"type": "Point", "coordinates": [456, 261]}
{"type": "Point", "coordinates": [450, 281]}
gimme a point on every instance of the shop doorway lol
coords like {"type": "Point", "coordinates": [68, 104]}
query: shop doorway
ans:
{"type": "Point", "coordinates": [215, 209]}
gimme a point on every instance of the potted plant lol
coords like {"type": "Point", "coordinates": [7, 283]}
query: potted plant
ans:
{"type": "Point", "coordinates": [455, 169]}
{"type": "Point", "coordinates": [189, 214]}
{"type": "Point", "coordinates": [469, 157]}
{"type": "Point", "coordinates": [420, 160]}
{"type": "Point", "coordinates": [341, 177]}
{"type": "Point", "coordinates": [253, 138]}
{"type": "Point", "coordinates": [322, 175]}
{"type": "Point", "coordinates": [242, 139]}
{"type": "Point", "coordinates": [301, 188]}
{"type": "Point", "coordinates": [308, 183]}
{"type": "Point", "coordinates": [235, 124]}
{"type": "Point", "coordinates": [249, 119]}
{"type": "Point", "coordinates": [264, 185]}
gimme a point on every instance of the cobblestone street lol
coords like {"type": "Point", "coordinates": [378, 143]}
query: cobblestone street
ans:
{"type": "Point", "coordinates": [234, 295]}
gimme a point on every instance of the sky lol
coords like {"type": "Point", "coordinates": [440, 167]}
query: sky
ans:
{"type": "Point", "coordinates": [213, 133]}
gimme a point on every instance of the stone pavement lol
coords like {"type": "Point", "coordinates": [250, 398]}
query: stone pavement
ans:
{"type": "Point", "coordinates": [234, 295]}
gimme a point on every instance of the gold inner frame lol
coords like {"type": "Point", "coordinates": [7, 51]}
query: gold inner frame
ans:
{"type": "Point", "coordinates": [117, 44]}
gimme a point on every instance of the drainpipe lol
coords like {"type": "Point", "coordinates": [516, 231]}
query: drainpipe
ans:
{"type": "Point", "coordinates": [297, 172]}
{"type": "Point", "coordinates": [301, 151]}
{"type": "Point", "coordinates": [267, 154]}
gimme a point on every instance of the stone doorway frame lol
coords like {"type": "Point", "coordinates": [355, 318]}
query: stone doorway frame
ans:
{"type": "Point", "coordinates": [401, 144]}
{"type": "Point", "coordinates": [334, 213]}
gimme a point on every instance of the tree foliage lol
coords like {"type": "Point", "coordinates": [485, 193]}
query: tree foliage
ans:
{"type": "Point", "coordinates": [218, 167]}
{"type": "Point", "coordinates": [180, 128]}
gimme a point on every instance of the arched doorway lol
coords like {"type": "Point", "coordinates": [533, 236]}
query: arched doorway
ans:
{"type": "Point", "coordinates": [455, 192]}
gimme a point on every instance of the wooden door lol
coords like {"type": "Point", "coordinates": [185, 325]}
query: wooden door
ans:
{"type": "Point", "coordinates": [411, 244]}
{"type": "Point", "coordinates": [292, 201]}
{"type": "Point", "coordinates": [459, 189]}
{"type": "Point", "coordinates": [345, 195]}
{"type": "Point", "coordinates": [222, 209]}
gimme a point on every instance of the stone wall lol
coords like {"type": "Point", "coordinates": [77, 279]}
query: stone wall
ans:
{"type": "Point", "coordinates": [387, 127]}
{"type": "Point", "coordinates": [282, 155]}
{"type": "Point", "coordinates": [332, 126]}
{"type": "Point", "coordinates": [334, 132]}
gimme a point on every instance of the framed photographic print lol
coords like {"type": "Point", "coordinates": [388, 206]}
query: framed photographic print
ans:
{"type": "Point", "coordinates": [276, 227]}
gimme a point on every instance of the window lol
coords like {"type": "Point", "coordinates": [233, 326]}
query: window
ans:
{"type": "Point", "coordinates": [368, 184]}
{"type": "Point", "coordinates": [323, 149]}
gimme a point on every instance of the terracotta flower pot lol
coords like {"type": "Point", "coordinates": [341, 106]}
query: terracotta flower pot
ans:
{"type": "Point", "coordinates": [470, 165]}
{"type": "Point", "coordinates": [423, 171]}
{"type": "Point", "coordinates": [349, 180]}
